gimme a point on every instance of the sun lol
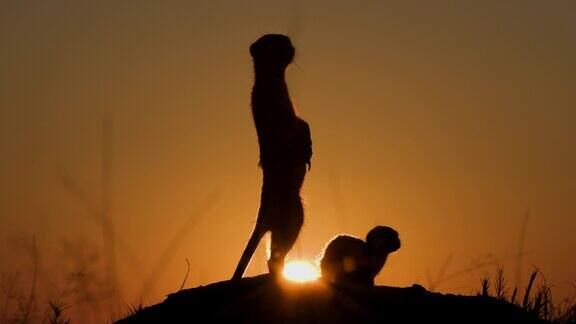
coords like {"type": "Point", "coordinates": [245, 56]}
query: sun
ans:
{"type": "Point", "coordinates": [300, 271]}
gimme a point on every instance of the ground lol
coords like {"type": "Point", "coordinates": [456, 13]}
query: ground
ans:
{"type": "Point", "coordinates": [264, 299]}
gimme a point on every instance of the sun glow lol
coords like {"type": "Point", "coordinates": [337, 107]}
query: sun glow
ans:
{"type": "Point", "coordinates": [300, 271]}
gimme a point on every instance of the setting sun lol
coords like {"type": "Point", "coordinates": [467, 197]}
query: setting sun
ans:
{"type": "Point", "coordinates": [300, 271]}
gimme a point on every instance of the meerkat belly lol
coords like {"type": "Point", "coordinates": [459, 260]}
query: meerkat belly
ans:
{"type": "Point", "coordinates": [281, 192]}
{"type": "Point", "coordinates": [285, 157]}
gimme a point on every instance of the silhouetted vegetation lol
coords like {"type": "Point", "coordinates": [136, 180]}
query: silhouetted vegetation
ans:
{"type": "Point", "coordinates": [57, 313]}
{"type": "Point", "coordinates": [37, 295]}
{"type": "Point", "coordinates": [538, 303]}
{"type": "Point", "coordinates": [262, 300]}
{"type": "Point", "coordinates": [84, 292]}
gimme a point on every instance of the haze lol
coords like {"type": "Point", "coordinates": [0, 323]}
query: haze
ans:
{"type": "Point", "coordinates": [451, 122]}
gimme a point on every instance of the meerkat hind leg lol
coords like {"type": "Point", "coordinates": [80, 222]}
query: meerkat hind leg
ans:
{"type": "Point", "coordinates": [283, 239]}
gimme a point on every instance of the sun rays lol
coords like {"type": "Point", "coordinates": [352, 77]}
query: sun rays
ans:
{"type": "Point", "coordinates": [300, 271]}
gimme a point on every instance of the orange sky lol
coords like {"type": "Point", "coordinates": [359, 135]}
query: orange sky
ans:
{"type": "Point", "coordinates": [448, 121]}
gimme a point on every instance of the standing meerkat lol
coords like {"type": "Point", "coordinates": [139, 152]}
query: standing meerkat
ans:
{"type": "Point", "coordinates": [285, 152]}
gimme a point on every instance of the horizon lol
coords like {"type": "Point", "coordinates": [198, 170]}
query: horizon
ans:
{"type": "Point", "coordinates": [452, 123]}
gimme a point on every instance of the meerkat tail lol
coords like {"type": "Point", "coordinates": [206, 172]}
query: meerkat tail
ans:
{"type": "Point", "coordinates": [248, 253]}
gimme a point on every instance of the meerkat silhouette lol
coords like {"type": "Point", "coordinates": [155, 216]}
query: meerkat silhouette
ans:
{"type": "Point", "coordinates": [285, 153]}
{"type": "Point", "coordinates": [349, 260]}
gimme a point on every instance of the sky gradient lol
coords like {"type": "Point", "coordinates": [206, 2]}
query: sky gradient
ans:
{"type": "Point", "coordinates": [449, 121]}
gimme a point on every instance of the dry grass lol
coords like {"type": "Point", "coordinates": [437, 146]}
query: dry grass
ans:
{"type": "Point", "coordinates": [538, 302]}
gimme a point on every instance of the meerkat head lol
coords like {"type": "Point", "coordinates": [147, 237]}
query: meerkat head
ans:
{"type": "Point", "coordinates": [273, 50]}
{"type": "Point", "coordinates": [382, 240]}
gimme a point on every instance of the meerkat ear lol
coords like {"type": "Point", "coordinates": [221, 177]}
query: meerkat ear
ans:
{"type": "Point", "coordinates": [254, 49]}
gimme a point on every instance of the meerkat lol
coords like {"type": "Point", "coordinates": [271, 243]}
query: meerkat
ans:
{"type": "Point", "coordinates": [285, 153]}
{"type": "Point", "coordinates": [350, 260]}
